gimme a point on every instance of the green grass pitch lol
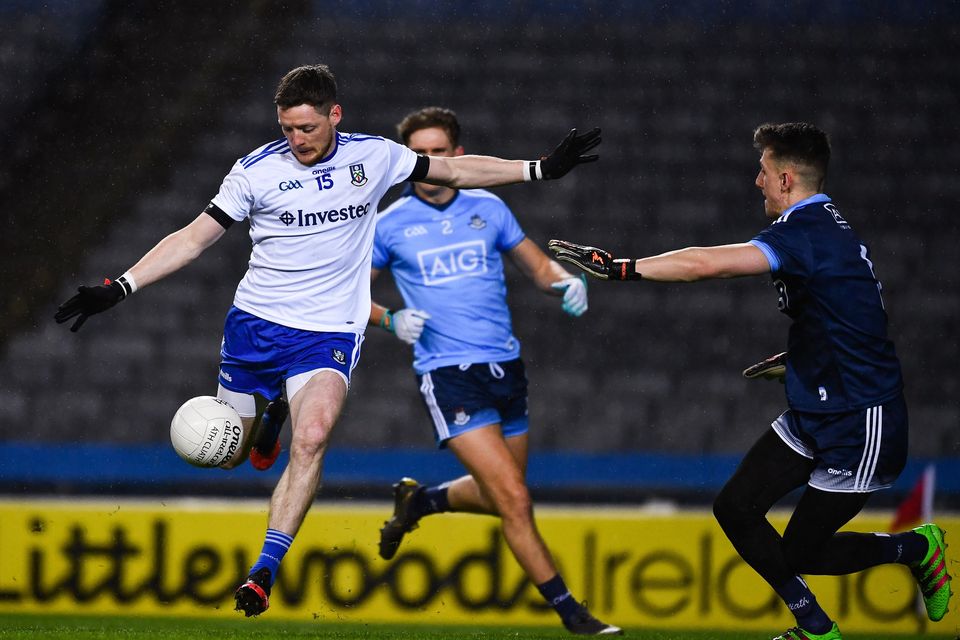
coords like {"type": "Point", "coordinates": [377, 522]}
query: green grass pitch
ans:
{"type": "Point", "coordinates": [39, 627]}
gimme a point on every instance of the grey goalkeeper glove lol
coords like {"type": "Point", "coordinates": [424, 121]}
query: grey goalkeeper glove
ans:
{"type": "Point", "coordinates": [595, 262]}
{"type": "Point", "coordinates": [773, 368]}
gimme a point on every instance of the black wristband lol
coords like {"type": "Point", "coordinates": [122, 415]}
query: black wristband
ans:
{"type": "Point", "coordinates": [624, 269]}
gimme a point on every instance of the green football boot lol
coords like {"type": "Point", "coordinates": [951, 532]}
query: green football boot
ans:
{"type": "Point", "coordinates": [931, 573]}
{"type": "Point", "coordinates": [796, 633]}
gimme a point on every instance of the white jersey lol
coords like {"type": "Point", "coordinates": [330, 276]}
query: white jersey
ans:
{"type": "Point", "coordinates": [312, 229]}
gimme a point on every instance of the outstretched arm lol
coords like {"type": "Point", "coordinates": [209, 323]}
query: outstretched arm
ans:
{"type": "Point", "coordinates": [683, 265]}
{"type": "Point", "coordinates": [177, 250]}
{"type": "Point", "coordinates": [472, 171]}
{"type": "Point", "coordinates": [170, 254]}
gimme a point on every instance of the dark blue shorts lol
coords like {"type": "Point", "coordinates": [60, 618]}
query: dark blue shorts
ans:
{"type": "Point", "coordinates": [462, 398]}
{"type": "Point", "coordinates": [258, 356]}
{"type": "Point", "coordinates": [855, 452]}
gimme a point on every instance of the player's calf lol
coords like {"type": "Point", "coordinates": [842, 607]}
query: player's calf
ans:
{"type": "Point", "coordinates": [266, 449]}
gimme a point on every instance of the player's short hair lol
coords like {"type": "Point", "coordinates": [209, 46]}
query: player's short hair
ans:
{"type": "Point", "coordinates": [801, 143]}
{"type": "Point", "coordinates": [428, 117]}
{"type": "Point", "coordinates": [310, 84]}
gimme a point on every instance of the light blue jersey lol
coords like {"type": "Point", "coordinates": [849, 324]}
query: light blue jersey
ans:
{"type": "Point", "coordinates": [446, 260]}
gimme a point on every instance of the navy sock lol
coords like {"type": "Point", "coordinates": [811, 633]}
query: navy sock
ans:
{"type": "Point", "coordinates": [906, 548]}
{"type": "Point", "coordinates": [275, 546]}
{"type": "Point", "coordinates": [432, 500]}
{"type": "Point", "coordinates": [555, 592]}
{"type": "Point", "coordinates": [803, 605]}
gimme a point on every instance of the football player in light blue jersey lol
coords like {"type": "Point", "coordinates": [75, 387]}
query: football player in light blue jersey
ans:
{"type": "Point", "coordinates": [844, 434]}
{"type": "Point", "coordinates": [299, 314]}
{"type": "Point", "coordinates": [444, 248]}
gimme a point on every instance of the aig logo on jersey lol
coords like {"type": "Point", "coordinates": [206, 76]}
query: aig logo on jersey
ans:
{"type": "Point", "coordinates": [453, 262]}
{"type": "Point", "coordinates": [357, 176]}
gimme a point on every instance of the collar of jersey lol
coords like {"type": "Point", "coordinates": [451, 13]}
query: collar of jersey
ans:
{"type": "Point", "coordinates": [336, 145]}
{"type": "Point", "coordinates": [817, 197]}
{"type": "Point", "coordinates": [440, 208]}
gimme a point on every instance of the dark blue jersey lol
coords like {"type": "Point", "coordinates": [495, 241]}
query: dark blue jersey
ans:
{"type": "Point", "coordinates": [839, 356]}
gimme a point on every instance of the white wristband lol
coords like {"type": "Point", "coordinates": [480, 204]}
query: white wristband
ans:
{"type": "Point", "coordinates": [532, 171]}
{"type": "Point", "coordinates": [127, 282]}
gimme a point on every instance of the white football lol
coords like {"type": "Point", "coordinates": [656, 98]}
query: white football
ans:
{"type": "Point", "coordinates": [207, 432]}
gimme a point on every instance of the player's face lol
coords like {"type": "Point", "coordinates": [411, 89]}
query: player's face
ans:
{"type": "Point", "coordinates": [770, 182]}
{"type": "Point", "coordinates": [309, 132]}
{"type": "Point", "coordinates": [432, 141]}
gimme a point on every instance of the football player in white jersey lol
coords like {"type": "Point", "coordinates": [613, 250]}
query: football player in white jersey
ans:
{"type": "Point", "coordinates": [444, 248]}
{"type": "Point", "coordinates": [299, 313]}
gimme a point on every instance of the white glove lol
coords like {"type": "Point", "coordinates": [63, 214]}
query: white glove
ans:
{"type": "Point", "coordinates": [407, 324]}
{"type": "Point", "coordinates": [574, 294]}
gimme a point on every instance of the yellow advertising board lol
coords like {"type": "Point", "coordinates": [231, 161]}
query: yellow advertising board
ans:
{"type": "Point", "coordinates": [635, 567]}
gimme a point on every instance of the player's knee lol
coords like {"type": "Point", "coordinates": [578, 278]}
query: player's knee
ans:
{"type": "Point", "coordinates": [310, 438]}
{"type": "Point", "coordinates": [730, 510]}
{"type": "Point", "coordinates": [515, 503]}
{"type": "Point", "coordinates": [799, 553]}
{"type": "Point", "coordinates": [724, 509]}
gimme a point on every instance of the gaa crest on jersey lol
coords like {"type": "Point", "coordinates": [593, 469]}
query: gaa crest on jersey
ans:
{"type": "Point", "coordinates": [461, 418]}
{"type": "Point", "coordinates": [358, 177]}
{"type": "Point", "coordinates": [339, 356]}
{"type": "Point", "coordinates": [476, 222]}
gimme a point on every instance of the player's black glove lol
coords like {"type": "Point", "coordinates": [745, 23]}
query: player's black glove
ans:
{"type": "Point", "coordinates": [596, 262]}
{"type": "Point", "coordinates": [773, 368]}
{"type": "Point", "coordinates": [569, 154]}
{"type": "Point", "coordinates": [89, 301]}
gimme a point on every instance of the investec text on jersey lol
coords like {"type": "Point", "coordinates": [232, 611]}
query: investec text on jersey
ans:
{"type": "Point", "coordinates": [320, 217]}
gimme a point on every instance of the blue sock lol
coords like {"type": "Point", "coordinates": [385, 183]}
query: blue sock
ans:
{"type": "Point", "coordinates": [275, 546]}
{"type": "Point", "coordinates": [555, 592]}
{"type": "Point", "coordinates": [803, 605]}
{"type": "Point", "coordinates": [432, 500]}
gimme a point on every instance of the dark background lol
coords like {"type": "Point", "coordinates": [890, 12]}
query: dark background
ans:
{"type": "Point", "coordinates": [120, 118]}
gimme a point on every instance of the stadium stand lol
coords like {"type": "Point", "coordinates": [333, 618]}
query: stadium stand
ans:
{"type": "Point", "coordinates": [649, 368]}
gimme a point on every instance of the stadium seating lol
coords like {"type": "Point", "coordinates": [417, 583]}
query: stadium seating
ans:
{"type": "Point", "coordinates": [649, 368]}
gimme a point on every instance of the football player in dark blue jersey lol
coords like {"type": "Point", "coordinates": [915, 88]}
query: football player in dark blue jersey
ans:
{"type": "Point", "coordinates": [844, 434]}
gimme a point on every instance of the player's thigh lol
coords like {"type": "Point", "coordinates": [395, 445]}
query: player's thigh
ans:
{"type": "Point", "coordinates": [519, 449]}
{"type": "Point", "coordinates": [819, 515]}
{"type": "Point", "coordinates": [770, 470]}
{"type": "Point", "coordinates": [315, 407]}
{"type": "Point", "coordinates": [488, 458]}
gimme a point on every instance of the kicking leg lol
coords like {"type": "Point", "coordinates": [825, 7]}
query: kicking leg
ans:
{"type": "Point", "coordinates": [314, 410]}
